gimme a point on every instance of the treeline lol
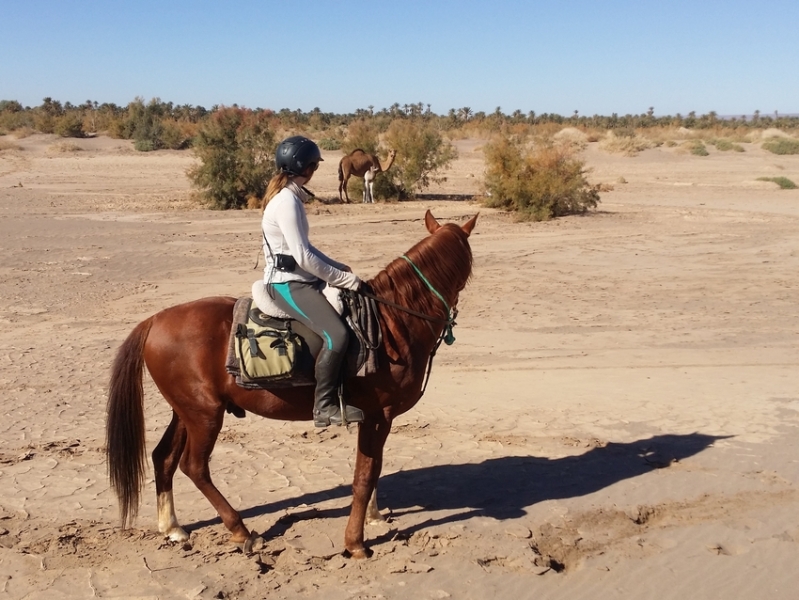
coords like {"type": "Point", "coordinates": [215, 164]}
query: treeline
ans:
{"type": "Point", "coordinates": [156, 124]}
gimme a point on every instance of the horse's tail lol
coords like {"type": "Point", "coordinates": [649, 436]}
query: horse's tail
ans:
{"type": "Point", "coordinates": [124, 432]}
{"type": "Point", "coordinates": [340, 170]}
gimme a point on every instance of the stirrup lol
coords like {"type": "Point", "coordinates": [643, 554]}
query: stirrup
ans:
{"type": "Point", "coordinates": [352, 414]}
{"type": "Point", "coordinates": [332, 415]}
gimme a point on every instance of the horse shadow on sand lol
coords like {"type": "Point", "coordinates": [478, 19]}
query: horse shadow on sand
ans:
{"type": "Point", "coordinates": [501, 488]}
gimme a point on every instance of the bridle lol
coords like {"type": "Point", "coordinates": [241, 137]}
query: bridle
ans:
{"type": "Point", "coordinates": [449, 322]}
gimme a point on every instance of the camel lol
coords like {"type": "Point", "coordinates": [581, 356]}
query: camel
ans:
{"type": "Point", "coordinates": [358, 163]}
{"type": "Point", "coordinates": [369, 185]}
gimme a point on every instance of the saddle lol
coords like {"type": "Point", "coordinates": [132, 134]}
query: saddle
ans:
{"type": "Point", "coordinates": [266, 352]}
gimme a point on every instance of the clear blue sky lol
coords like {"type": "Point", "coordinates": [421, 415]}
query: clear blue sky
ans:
{"type": "Point", "coordinates": [621, 56]}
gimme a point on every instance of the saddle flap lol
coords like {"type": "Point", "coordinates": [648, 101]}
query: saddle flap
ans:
{"type": "Point", "coordinates": [264, 320]}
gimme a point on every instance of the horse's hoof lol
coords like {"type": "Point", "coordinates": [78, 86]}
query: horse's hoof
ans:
{"type": "Point", "coordinates": [247, 545]}
{"type": "Point", "coordinates": [177, 534]}
{"type": "Point", "coordinates": [358, 553]}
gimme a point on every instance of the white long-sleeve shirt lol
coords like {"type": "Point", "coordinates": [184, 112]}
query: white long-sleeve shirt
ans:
{"type": "Point", "coordinates": [285, 227]}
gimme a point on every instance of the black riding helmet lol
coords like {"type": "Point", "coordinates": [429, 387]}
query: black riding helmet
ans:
{"type": "Point", "coordinates": [295, 154]}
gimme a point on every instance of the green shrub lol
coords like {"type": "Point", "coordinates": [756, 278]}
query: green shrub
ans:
{"type": "Point", "coordinates": [144, 145]}
{"type": "Point", "coordinates": [782, 145]}
{"type": "Point", "coordinates": [783, 182]}
{"type": "Point", "coordinates": [422, 153]}
{"type": "Point", "coordinates": [537, 184]}
{"type": "Point", "coordinates": [723, 145]}
{"type": "Point", "coordinates": [236, 149]}
{"type": "Point", "coordinates": [628, 145]}
{"type": "Point", "coordinates": [362, 134]}
{"type": "Point", "coordinates": [13, 117]}
{"type": "Point", "coordinates": [144, 125]}
{"type": "Point", "coordinates": [697, 148]}
{"type": "Point", "coordinates": [44, 122]}
{"type": "Point", "coordinates": [69, 126]}
{"type": "Point", "coordinates": [151, 126]}
{"type": "Point", "coordinates": [330, 143]}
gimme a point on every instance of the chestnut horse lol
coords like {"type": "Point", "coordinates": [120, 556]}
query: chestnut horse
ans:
{"type": "Point", "coordinates": [184, 348]}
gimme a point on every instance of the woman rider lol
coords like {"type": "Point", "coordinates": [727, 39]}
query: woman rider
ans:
{"type": "Point", "coordinates": [296, 272]}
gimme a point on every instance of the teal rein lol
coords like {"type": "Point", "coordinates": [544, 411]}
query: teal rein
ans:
{"type": "Point", "coordinates": [447, 334]}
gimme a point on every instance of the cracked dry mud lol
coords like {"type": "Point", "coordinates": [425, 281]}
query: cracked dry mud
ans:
{"type": "Point", "coordinates": [616, 419]}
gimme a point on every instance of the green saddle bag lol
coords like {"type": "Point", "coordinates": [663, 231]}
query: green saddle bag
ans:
{"type": "Point", "coordinates": [267, 349]}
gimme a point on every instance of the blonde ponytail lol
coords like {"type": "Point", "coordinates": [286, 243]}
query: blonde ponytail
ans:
{"type": "Point", "coordinates": [277, 183]}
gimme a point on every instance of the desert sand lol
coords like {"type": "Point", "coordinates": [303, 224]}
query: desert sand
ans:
{"type": "Point", "coordinates": [617, 418]}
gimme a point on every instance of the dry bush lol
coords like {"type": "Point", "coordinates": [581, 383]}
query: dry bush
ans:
{"type": "Point", "coordinates": [594, 135]}
{"type": "Point", "coordinates": [460, 133]}
{"type": "Point", "coordinates": [665, 135]}
{"type": "Point", "coordinates": [538, 184]}
{"type": "Point", "coordinates": [735, 134]}
{"type": "Point", "coordinates": [773, 132]}
{"type": "Point", "coordinates": [44, 122]}
{"type": "Point", "coordinates": [626, 145]}
{"type": "Point", "coordinates": [471, 130]}
{"type": "Point", "coordinates": [6, 144]}
{"type": "Point", "coordinates": [177, 135]}
{"type": "Point", "coordinates": [254, 203]}
{"type": "Point", "coordinates": [69, 125]}
{"type": "Point", "coordinates": [12, 121]}
{"type": "Point", "coordinates": [711, 134]}
{"type": "Point", "coordinates": [361, 134]}
{"type": "Point", "coordinates": [543, 131]}
{"type": "Point", "coordinates": [64, 148]}
{"type": "Point", "coordinates": [22, 133]}
{"type": "Point", "coordinates": [669, 135]}
{"type": "Point", "coordinates": [757, 135]}
{"type": "Point", "coordinates": [520, 129]}
{"type": "Point", "coordinates": [571, 137]}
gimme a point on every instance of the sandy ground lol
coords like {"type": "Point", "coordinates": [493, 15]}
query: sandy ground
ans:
{"type": "Point", "coordinates": [617, 418]}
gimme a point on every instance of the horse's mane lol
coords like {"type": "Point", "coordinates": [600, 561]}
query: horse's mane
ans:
{"type": "Point", "coordinates": [444, 257]}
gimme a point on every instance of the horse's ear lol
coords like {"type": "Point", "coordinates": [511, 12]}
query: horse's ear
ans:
{"type": "Point", "coordinates": [430, 222]}
{"type": "Point", "coordinates": [469, 225]}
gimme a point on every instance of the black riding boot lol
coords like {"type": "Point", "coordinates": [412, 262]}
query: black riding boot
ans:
{"type": "Point", "coordinates": [326, 406]}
